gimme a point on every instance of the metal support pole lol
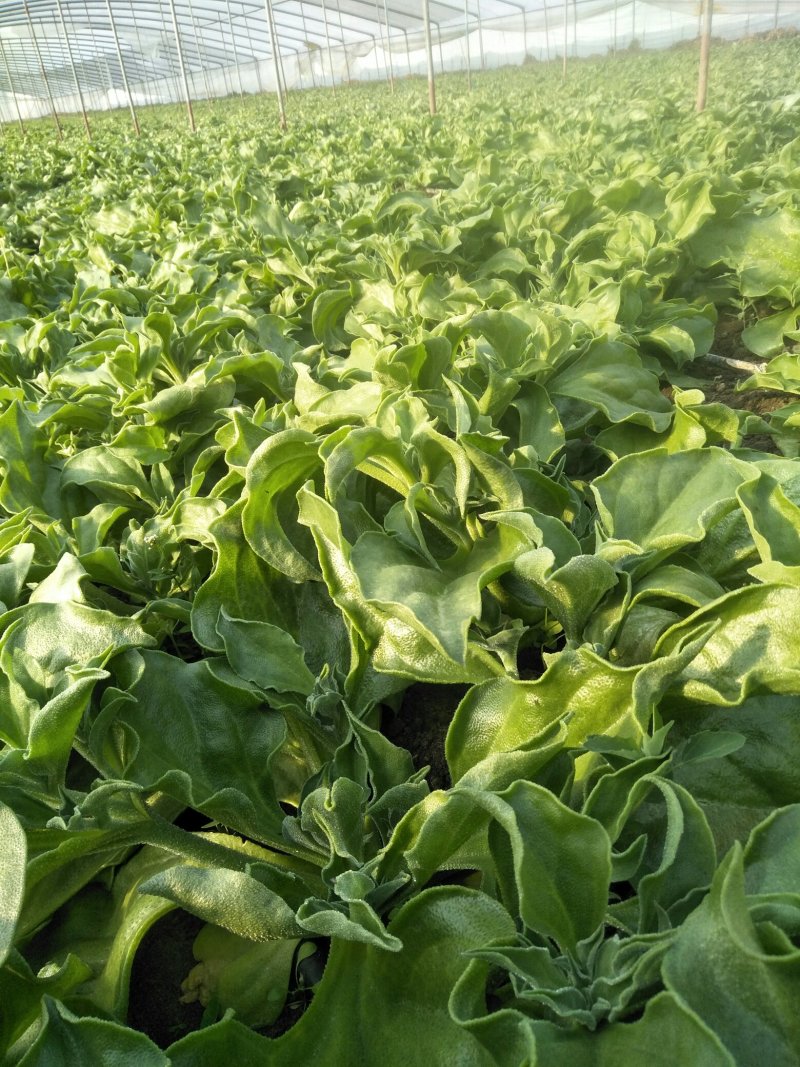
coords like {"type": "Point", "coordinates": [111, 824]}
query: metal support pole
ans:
{"type": "Point", "coordinates": [614, 45]}
{"type": "Point", "coordinates": [201, 57]}
{"type": "Point", "coordinates": [546, 32]}
{"type": "Point", "coordinates": [575, 29]}
{"type": "Point", "coordinates": [426, 15]}
{"type": "Point", "coordinates": [308, 47]}
{"type": "Point", "coordinates": [144, 80]}
{"type": "Point", "coordinates": [273, 44]}
{"type": "Point", "coordinates": [235, 52]}
{"type": "Point", "coordinates": [466, 43]}
{"type": "Point", "coordinates": [11, 86]}
{"type": "Point", "coordinates": [344, 46]}
{"type": "Point", "coordinates": [633, 21]}
{"type": "Point", "coordinates": [383, 41]}
{"type": "Point", "coordinates": [705, 52]}
{"type": "Point", "coordinates": [566, 41]}
{"type": "Point", "coordinates": [123, 72]}
{"type": "Point", "coordinates": [524, 35]}
{"type": "Point", "coordinates": [480, 34]}
{"type": "Point", "coordinates": [256, 60]}
{"type": "Point", "coordinates": [777, 11]}
{"type": "Point", "coordinates": [109, 80]}
{"type": "Point", "coordinates": [328, 44]}
{"type": "Point", "coordinates": [439, 42]}
{"type": "Point", "coordinates": [225, 67]}
{"type": "Point", "coordinates": [408, 51]}
{"type": "Point", "coordinates": [182, 65]}
{"type": "Point", "coordinates": [388, 46]}
{"type": "Point", "coordinates": [43, 72]}
{"type": "Point", "coordinates": [71, 60]}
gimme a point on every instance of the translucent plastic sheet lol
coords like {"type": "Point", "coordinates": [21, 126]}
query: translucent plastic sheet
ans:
{"type": "Point", "coordinates": [48, 45]}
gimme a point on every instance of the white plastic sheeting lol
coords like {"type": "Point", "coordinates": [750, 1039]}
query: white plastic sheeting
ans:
{"type": "Point", "coordinates": [225, 44]}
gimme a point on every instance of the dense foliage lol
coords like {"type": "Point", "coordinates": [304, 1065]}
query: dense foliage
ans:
{"type": "Point", "coordinates": [290, 424]}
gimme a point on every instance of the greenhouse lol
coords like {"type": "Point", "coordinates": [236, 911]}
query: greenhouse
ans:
{"type": "Point", "coordinates": [399, 533]}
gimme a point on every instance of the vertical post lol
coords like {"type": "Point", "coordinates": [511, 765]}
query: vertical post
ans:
{"type": "Point", "coordinates": [480, 34]}
{"type": "Point", "coordinates": [235, 52]}
{"type": "Point", "coordinates": [633, 21]}
{"type": "Point", "coordinates": [441, 53]}
{"type": "Point", "coordinates": [777, 11]}
{"type": "Point", "coordinates": [388, 46]}
{"type": "Point", "coordinates": [182, 65]}
{"type": "Point", "coordinates": [308, 47]}
{"type": "Point", "coordinates": [273, 44]}
{"type": "Point", "coordinates": [144, 79]}
{"type": "Point", "coordinates": [256, 60]}
{"type": "Point", "coordinates": [123, 72]}
{"type": "Point", "coordinates": [574, 29]}
{"type": "Point", "coordinates": [524, 36]}
{"type": "Point", "coordinates": [200, 55]}
{"type": "Point", "coordinates": [71, 61]}
{"type": "Point", "coordinates": [546, 32]}
{"type": "Point", "coordinates": [466, 43]}
{"type": "Point", "coordinates": [426, 15]}
{"type": "Point", "coordinates": [344, 45]}
{"type": "Point", "coordinates": [384, 44]}
{"type": "Point", "coordinates": [566, 41]}
{"type": "Point", "coordinates": [705, 53]}
{"type": "Point", "coordinates": [42, 71]}
{"type": "Point", "coordinates": [11, 86]}
{"type": "Point", "coordinates": [328, 44]}
{"type": "Point", "coordinates": [614, 45]}
{"type": "Point", "coordinates": [408, 51]}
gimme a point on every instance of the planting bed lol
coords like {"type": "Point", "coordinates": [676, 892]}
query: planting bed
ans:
{"type": "Point", "coordinates": [398, 613]}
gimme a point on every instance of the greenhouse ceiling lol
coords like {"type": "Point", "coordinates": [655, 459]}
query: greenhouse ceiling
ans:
{"type": "Point", "coordinates": [70, 55]}
{"type": "Point", "coordinates": [52, 35]}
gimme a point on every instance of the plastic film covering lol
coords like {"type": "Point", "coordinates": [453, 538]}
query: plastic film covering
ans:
{"type": "Point", "coordinates": [118, 53]}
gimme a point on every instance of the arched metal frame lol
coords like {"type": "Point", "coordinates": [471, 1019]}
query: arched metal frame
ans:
{"type": "Point", "coordinates": [73, 55]}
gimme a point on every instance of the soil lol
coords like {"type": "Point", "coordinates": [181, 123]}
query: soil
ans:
{"type": "Point", "coordinates": [420, 726]}
{"type": "Point", "coordinates": [162, 962]}
{"type": "Point", "coordinates": [719, 382]}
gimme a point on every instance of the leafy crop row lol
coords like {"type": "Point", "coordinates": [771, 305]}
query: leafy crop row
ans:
{"type": "Point", "coordinates": [290, 424]}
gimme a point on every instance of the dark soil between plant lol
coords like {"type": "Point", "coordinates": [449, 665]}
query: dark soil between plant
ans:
{"type": "Point", "coordinates": [421, 724]}
{"type": "Point", "coordinates": [719, 382]}
{"type": "Point", "coordinates": [163, 961]}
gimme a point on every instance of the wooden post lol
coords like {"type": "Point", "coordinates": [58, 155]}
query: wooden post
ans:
{"type": "Point", "coordinates": [182, 65]}
{"type": "Point", "coordinates": [705, 53]}
{"type": "Point", "coordinates": [273, 43]}
{"type": "Point", "coordinates": [134, 117]}
{"type": "Point", "coordinates": [11, 87]}
{"type": "Point", "coordinates": [426, 16]}
{"type": "Point", "coordinates": [43, 72]}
